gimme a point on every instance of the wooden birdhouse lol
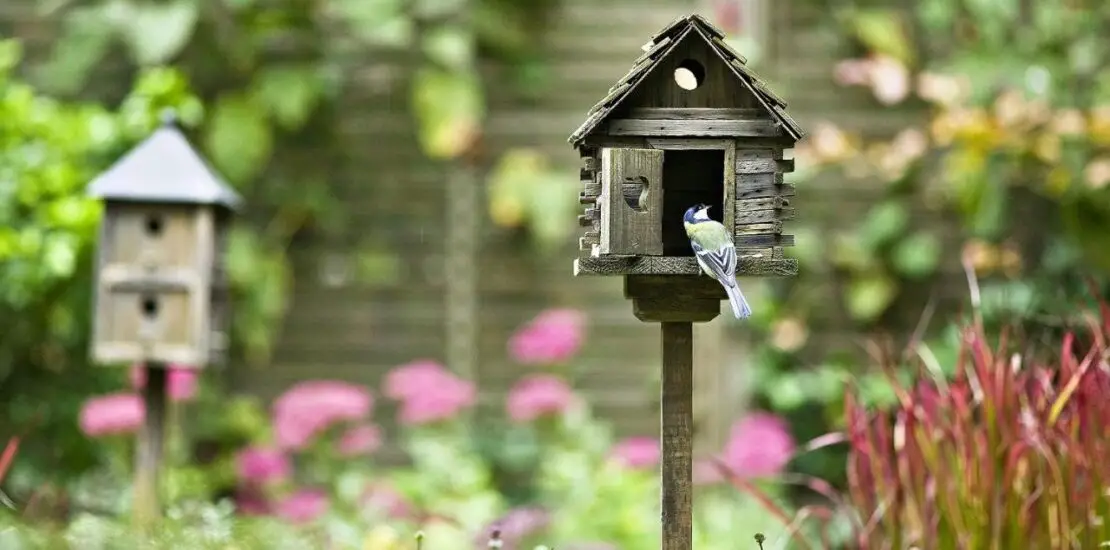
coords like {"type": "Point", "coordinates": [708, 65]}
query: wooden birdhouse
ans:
{"type": "Point", "coordinates": [161, 290]}
{"type": "Point", "coordinates": [689, 124]}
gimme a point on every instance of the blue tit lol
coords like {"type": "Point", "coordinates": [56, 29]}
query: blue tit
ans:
{"type": "Point", "coordinates": [716, 254]}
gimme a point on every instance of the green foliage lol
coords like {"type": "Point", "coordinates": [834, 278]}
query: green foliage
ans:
{"type": "Point", "coordinates": [1006, 176]}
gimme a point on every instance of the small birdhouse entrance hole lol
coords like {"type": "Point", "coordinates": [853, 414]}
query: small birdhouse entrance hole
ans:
{"type": "Point", "coordinates": [690, 74]}
{"type": "Point", "coordinates": [635, 193]}
{"type": "Point", "coordinates": [153, 225]}
{"type": "Point", "coordinates": [149, 306]}
{"type": "Point", "coordinates": [690, 176]}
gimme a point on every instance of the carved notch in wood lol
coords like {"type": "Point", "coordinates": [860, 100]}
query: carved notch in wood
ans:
{"type": "Point", "coordinates": [631, 202]}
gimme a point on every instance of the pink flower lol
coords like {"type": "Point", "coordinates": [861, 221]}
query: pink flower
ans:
{"type": "Point", "coordinates": [706, 472]}
{"type": "Point", "coordinates": [385, 498]}
{"type": "Point", "coordinates": [442, 399]}
{"type": "Point", "coordinates": [760, 445]}
{"type": "Point", "coordinates": [410, 379]}
{"type": "Point", "coordinates": [359, 440]}
{"type": "Point", "coordinates": [554, 336]}
{"type": "Point", "coordinates": [118, 413]}
{"type": "Point", "coordinates": [538, 395]}
{"type": "Point", "coordinates": [308, 408]}
{"type": "Point", "coordinates": [637, 452]}
{"type": "Point", "coordinates": [303, 506]}
{"type": "Point", "coordinates": [259, 465]}
{"type": "Point", "coordinates": [181, 381]}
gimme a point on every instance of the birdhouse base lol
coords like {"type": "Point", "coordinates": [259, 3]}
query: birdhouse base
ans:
{"type": "Point", "coordinates": [671, 298]}
{"type": "Point", "coordinates": [746, 266]}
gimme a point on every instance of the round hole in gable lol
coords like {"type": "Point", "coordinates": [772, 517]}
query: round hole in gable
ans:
{"type": "Point", "coordinates": [153, 225]}
{"type": "Point", "coordinates": [689, 74]}
{"type": "Point", "coordinates": [149, 306]}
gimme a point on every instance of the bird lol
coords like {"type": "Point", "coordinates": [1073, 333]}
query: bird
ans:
{"type": "Point", "coordinates": [716, 254]}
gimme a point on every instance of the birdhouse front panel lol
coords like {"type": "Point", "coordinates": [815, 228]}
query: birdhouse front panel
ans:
{"type": "Point", "coordinates": [690, 103]}
{"type": "Point", "coordinates": [151, 236]}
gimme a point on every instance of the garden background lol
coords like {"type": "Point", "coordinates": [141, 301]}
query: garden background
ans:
{"type": "Point", "coordinates": [411, 201]}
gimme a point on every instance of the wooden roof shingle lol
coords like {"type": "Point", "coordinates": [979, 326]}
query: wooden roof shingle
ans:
{"type": "Point", "coordinates": [662, 44]}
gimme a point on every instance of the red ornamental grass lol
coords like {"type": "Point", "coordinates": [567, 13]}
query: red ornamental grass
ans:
{"type": "Point", "coordinates": [1013, 453]}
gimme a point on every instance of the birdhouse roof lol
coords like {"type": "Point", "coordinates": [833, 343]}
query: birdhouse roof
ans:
{"type": "Point", "coordinates": [164, 168]}
{"type": "Point", "coordinates": [660, 46]}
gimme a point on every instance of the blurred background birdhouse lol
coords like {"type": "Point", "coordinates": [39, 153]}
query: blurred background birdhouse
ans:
{"type": "Point", "coordinates": [161, 290]}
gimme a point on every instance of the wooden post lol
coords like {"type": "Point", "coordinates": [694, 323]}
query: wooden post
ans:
{"type": "Point", "coordinates": [676, 420]}
{"type": "Point", "coordinates": [148, 453]}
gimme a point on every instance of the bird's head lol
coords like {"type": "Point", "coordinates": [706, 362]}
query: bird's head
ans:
{"type": "Point", "coordinates": [697, 214]}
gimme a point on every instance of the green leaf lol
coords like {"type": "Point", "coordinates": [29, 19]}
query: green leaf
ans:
{"type": "Point", "coordinates": [884, 32]}
{"type": "Point", "coordinates": [377, 22]}
{"type": "Point", "coordinates": [290, 93]}
{"type": "Point", "coordinates": [85, 38]}
{"type": "Point", "coordinates": [238, 139]}
{"type": "Point", "coordinates": [434, 9]}
{"type": "Point", "coordinates": [917, 255]}
{"type": "Point", "coordinates": [869, 296]}
{"type": "Point", "coordinates": [884, 222]}
{"type": "Point", "coordinates": [157, 31]}
{"type": "Point", "coordinates": [450, 46]}
{"type": "Point", "coordinates": [449, 107]}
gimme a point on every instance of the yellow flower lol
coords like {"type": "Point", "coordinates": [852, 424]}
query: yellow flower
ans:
{"type": "Point", "coordinates": [977, 129]}
{"type": "Point", "coordinates": [943, 128]}
{"type": "Point", "coordinates": [1097, 174]}
{"type": "Point", "coordinates": [1068, 122]}
{"type": "Point", "coordinates": [830, 143]}
{"type": "Point", "coordinates": [942, 89]}
{"type": "Point", "coordinates": [982, 256]}
{"type": "Point", "coordinates": [382, 537]}
{"type": "Point", "coordinates": [789, 334]}
{"type": "Point", "coordinates": [1010, 261]}
{"type": "Point", "coordinates": [1099, 127]}
{"type": "Point", "coordinates": [1046, 147]}
{"type": "Point", "coordinates": [1058, 181]}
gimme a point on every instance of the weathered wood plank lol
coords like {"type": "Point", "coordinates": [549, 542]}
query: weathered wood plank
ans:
{"type": "Point", "coordinates": [696, 113]}
{"type": "Point", "coordinates": [746, 266]}
{"type": "Point", "coordinates": [763, 239]}
{"type": "Point", "coordinates": [764, 216]}
{"type": "Point", "coordinates": [764, 165]}
{"type": "Point", "coordinates": [678, 128]}
{"type": "Point", "coordinates": [775, 202]}
{"type": "Point", "coordinates": [631, 177]}
{"type": "Point", "coordinates": [755, 228]}
{"type": "Point", "coordinates": [769, 187]}
{"type": "Point", "coordinates": [744, 151]}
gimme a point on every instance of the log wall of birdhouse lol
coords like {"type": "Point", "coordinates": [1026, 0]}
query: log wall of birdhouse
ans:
{"type": "Point", "coordinates": [763, 199]}
{"type": "Point", "coordinates": [590, 219]}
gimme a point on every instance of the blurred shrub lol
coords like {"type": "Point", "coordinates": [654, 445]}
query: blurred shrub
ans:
{"type": "Point", "coordinates": [310, 472]}
{"type": "Point", "coordinates": [1006, 165]}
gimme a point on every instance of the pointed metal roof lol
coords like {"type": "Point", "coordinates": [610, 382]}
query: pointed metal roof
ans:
{"type": "Point", "coordinates": [660, 46]}
{"type": "Point", "coordinates": [164, 168]}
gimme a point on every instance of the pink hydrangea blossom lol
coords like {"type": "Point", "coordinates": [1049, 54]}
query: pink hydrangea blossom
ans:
{"type": "Point", "coordinates": [383, 497]}
{"type": "Point", "coordinates": [538, 395]}
{"type": "Point", "coordinates": [261, 465]}
{"type": "Point", "coordinates": [118, 413]}
{"type": "Point", "coordinates": [181, 381]}
{"type": "Point", "coordinates": [412, 378]}
{"type": "Point", "coordinates": [441, 400]}
{"type": "Point", "coordinates": [554, 336]}
{"type": "Point", "coordinates": [517, 525]}
{"type": "Point", "coordinates": [360, 440]}
{"type": "Point", "coordinates": [311, 407]}
{"type": "Point", "coordinates": [760, 445]}
{"type": "Point", "coordinates": [303, 506]}
{"type": "Point", "coordinates": [637, 452]}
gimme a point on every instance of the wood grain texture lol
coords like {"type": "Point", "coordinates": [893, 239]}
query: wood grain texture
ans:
{"type": "Point", "coordinates": [693, 128]}
{"type": "Point", "coordinates": [677, 419]}
{"type": "Point", "coordinates": [763, 240]}
{"type": "Point", "coordinates": [746, 188]}
{"type": "Point", "coordinates": [764, 216]}
{"type": "Point", "coordinates": [681, 298]}
{"type": "Point", "coordinates": [746, 266]}
{"type": "Point", "coordinates": [625, 230]}
{"type": "Point", "coordinates": [147, 507]}
{"type": "Point", "coordinates": [697, 113]}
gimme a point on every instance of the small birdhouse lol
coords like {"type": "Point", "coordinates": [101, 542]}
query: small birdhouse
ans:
{"type": "Point", "coordinates": [161, 290]}
{"type": "Point", "coordinates": [689, 124]}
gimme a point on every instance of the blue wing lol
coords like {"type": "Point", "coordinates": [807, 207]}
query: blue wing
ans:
{"type": "Point", "coordinates": [721, 262]}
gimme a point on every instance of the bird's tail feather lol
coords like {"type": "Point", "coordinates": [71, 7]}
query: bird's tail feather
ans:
{"type": "Point", "coordinates": [740, 306]}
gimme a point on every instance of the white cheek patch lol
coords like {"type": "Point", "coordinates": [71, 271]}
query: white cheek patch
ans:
{"type": "Point", "coordinates": [702, 215]}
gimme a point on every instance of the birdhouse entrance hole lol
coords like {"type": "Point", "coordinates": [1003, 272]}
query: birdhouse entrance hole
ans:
{"type": "Point", "coordinates": [635, 193]}
{"type": "Point", "coordinates": [153, 225]}
{"type": "Point", "coordinates": [689, 75]}
{"type": "Point", "coordinates": [690, 176]}
{"type": "Point", "coordinates": [149, 306]}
